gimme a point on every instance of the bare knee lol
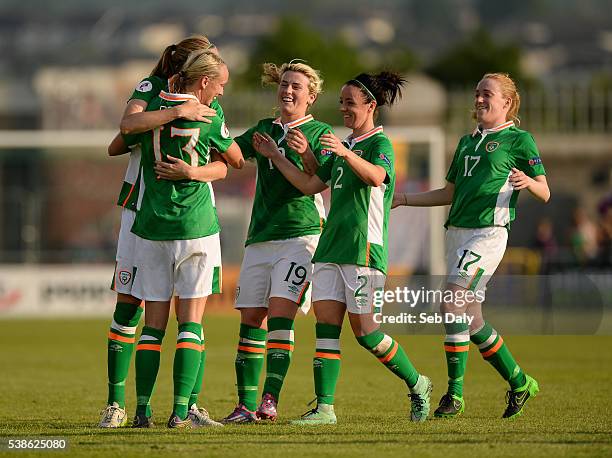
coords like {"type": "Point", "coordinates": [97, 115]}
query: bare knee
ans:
{"type": "Point", "coordinates": [254, 317]}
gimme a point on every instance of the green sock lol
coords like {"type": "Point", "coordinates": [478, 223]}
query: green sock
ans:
{"type": "Point", "coordinates": [456, 347]}
{"type": "Point", "coordinates": [326, 363]}
{"type": "Point", "coordinates": [280, 349]}
{"type": "Point", "coordinates": [186, 365]}
{"type": "Point", "coordinates": [249, 363]}
{"type": "Point", "coordinates": [148, 352]}
{"type": "Point", "coordinates": [391, 354]}
{"type": "Point", "coordinates": [121, 340]}
{"type": "Point", "coordinates": [197, 388]}
{"type": "Point", "coordinates": [494, 350]}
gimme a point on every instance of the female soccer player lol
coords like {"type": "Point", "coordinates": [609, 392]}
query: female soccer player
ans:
{"type": "Point", "coordinates": [177, 250]}
{"type": "Point", "coordinates": [350, 262]}
{"type": "Point", "coordinates": [283, 234]}
{"type": "Point", "coordinates": [489, 169]}
{"type": "Point", "coordinates": [121, 338]}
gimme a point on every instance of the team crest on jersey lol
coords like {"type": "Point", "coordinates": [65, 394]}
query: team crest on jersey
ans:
{"type": "Point", "coordinates": [491, 146]}
{"type": "Point", "coordinates": [125, 277]}
{"type": "Point", "coordinates": [358, 152]}
{"type": "Point", "coordinates": [144, 86]}
{"type": "Point", "coordinates": [385, 158]}
{"type": "Point", "coordinates": [535, 161]}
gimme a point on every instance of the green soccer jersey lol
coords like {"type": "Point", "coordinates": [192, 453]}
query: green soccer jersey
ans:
{"type": "Point", "coordinates": [280, 211]}
{"type": "Point", "coordinates": [357, 226]}
{"type": "Point", "coordinates": [146, 90]}
{"type": "Point", "coordinates": [481, 170]}
{"type": "Point", "coordinates": [183, 209]}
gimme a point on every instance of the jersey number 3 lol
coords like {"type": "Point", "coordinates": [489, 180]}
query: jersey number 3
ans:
{"type": "Point", "coordinates": [189, 148]}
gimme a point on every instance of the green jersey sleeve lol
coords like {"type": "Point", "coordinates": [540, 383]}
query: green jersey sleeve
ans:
{"type": "Point", "coordinates": [451, 176]}
{"type": "Point", "coordinates": [244, 141]}
{"type": "Point", "coordinates": [220, 137]}
{"type": "Point", "coordinates": [527, 157]}
{"type": "Point", "coordinates": [217, 107]}
{"type": "Point", "coordinates": [131, 139]}
{"type": "Point", "coordinates": [382, 154]}
{"type": "Point", "coordinates": [148, 88]}
{"type": "Point", "coordinates": [324, 172]}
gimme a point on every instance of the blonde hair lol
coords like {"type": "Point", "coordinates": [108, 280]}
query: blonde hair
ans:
{"type": "Point", "coordinates": [272, 75]}
{"type": "Point", "coordinates": [175, 55]}
{"type": "Point", "coordinates": [197, 65]}
{"type": "Point", "coordinates": [508, 90]}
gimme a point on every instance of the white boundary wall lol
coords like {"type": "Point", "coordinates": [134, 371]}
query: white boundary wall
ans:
{"type": "Point", "coordinates": [56, 291]}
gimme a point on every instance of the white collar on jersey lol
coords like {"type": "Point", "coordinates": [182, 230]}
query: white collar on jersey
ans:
{"type": "Point", "coordinates": [353, 141]}
{"type": "Point", "coordinates": [484, 132]}
{"type": "Point", "coordinates": [174, 97]}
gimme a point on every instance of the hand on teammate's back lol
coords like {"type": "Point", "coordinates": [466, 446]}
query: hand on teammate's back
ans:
{"type": "Point", "coordinates": [174, 169]}
{"type": "Point", "coordinates": [192, 110]}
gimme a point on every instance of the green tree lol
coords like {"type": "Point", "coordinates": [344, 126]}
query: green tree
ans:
{"type": "Point", "coordinates": [464, 64]}
{"type": "Point", "coordinates": [293, 39]}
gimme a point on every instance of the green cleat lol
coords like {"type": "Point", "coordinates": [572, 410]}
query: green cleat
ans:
{"type": "Point", "coordinates": [450, 406]}
{"type": "Point", "coordinates": [323, 414]}
{"type": "Point", "coordinates": [113, 417]}
{"type": "Point", "coordinates": [420, 396]}
{"type": "Point", "coordinates": [517, 399]}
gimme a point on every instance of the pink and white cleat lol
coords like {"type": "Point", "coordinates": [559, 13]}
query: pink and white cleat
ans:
{"type": "Point", "coordinates": [267, 408]}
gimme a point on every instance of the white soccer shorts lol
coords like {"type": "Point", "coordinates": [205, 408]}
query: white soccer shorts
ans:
{"type": "Point", "coordinates": [277, 268]}
{"type": "Point", "coordinates": [350, 284]}
{"type": "Point", "coordinates": [124, 265]}
{"type": "Point", "coordinates": [472, 255]}
{"type": "Point", "coordinates": [185, 268]}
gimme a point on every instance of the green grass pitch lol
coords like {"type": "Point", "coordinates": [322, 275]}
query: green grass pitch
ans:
{"type": "Point", "coordinates": [54, 384]}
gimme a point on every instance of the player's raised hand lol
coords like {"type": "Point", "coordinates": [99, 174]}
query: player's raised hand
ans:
{"type": "Point", "coordinates": [519, 180]}
{"type": "Point", "coordinates": [265, 145]}
{"type": "Point", "coordinates": [192, 110]}
{"type": "Point", "coordinates": [174, 169]}
{"type": "Point", "coordinates": [334, 144]}
{"type": "Point", "coordinates": [296, 140]}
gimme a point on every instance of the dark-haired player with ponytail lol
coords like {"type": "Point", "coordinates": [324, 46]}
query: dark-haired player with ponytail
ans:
{"type": "Point", "coordinates": [350, 263]}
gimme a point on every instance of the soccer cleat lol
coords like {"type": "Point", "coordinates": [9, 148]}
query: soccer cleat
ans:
{"type": "Point", "coordinates": [174, 422]}
{"type": "Point", "coordinates": [323, 414]}
{"type": "Point", "coordinates": [142, 421]}
{"type": "Point", "coordinates": [517, 399]}
{"type": "Point", "coordinates": [113, 417]}
{"type": "Point", "coordinates": [450, 406]}
{"type": "Point", "coordinates": [267, 408]}
{"type": "Point", "coordinates": [240, 415]}
{"type": "Point", "coordinates": [420, 396]}
{"type": "Point", "coordinates": [199, 417]}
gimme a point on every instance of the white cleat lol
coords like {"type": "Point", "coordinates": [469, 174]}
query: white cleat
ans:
{"type": "Point", "coordinates": [113, 417]}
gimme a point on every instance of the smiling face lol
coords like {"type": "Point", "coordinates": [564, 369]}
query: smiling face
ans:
{"type": "Point", "coordinates": [356, 112]}
{"type": "Point", "coordinates": [294, 96]}
{"type": "Point", "coordinates": [214, 86]}
{"type": "Point", "coordinates": [490, 105]}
